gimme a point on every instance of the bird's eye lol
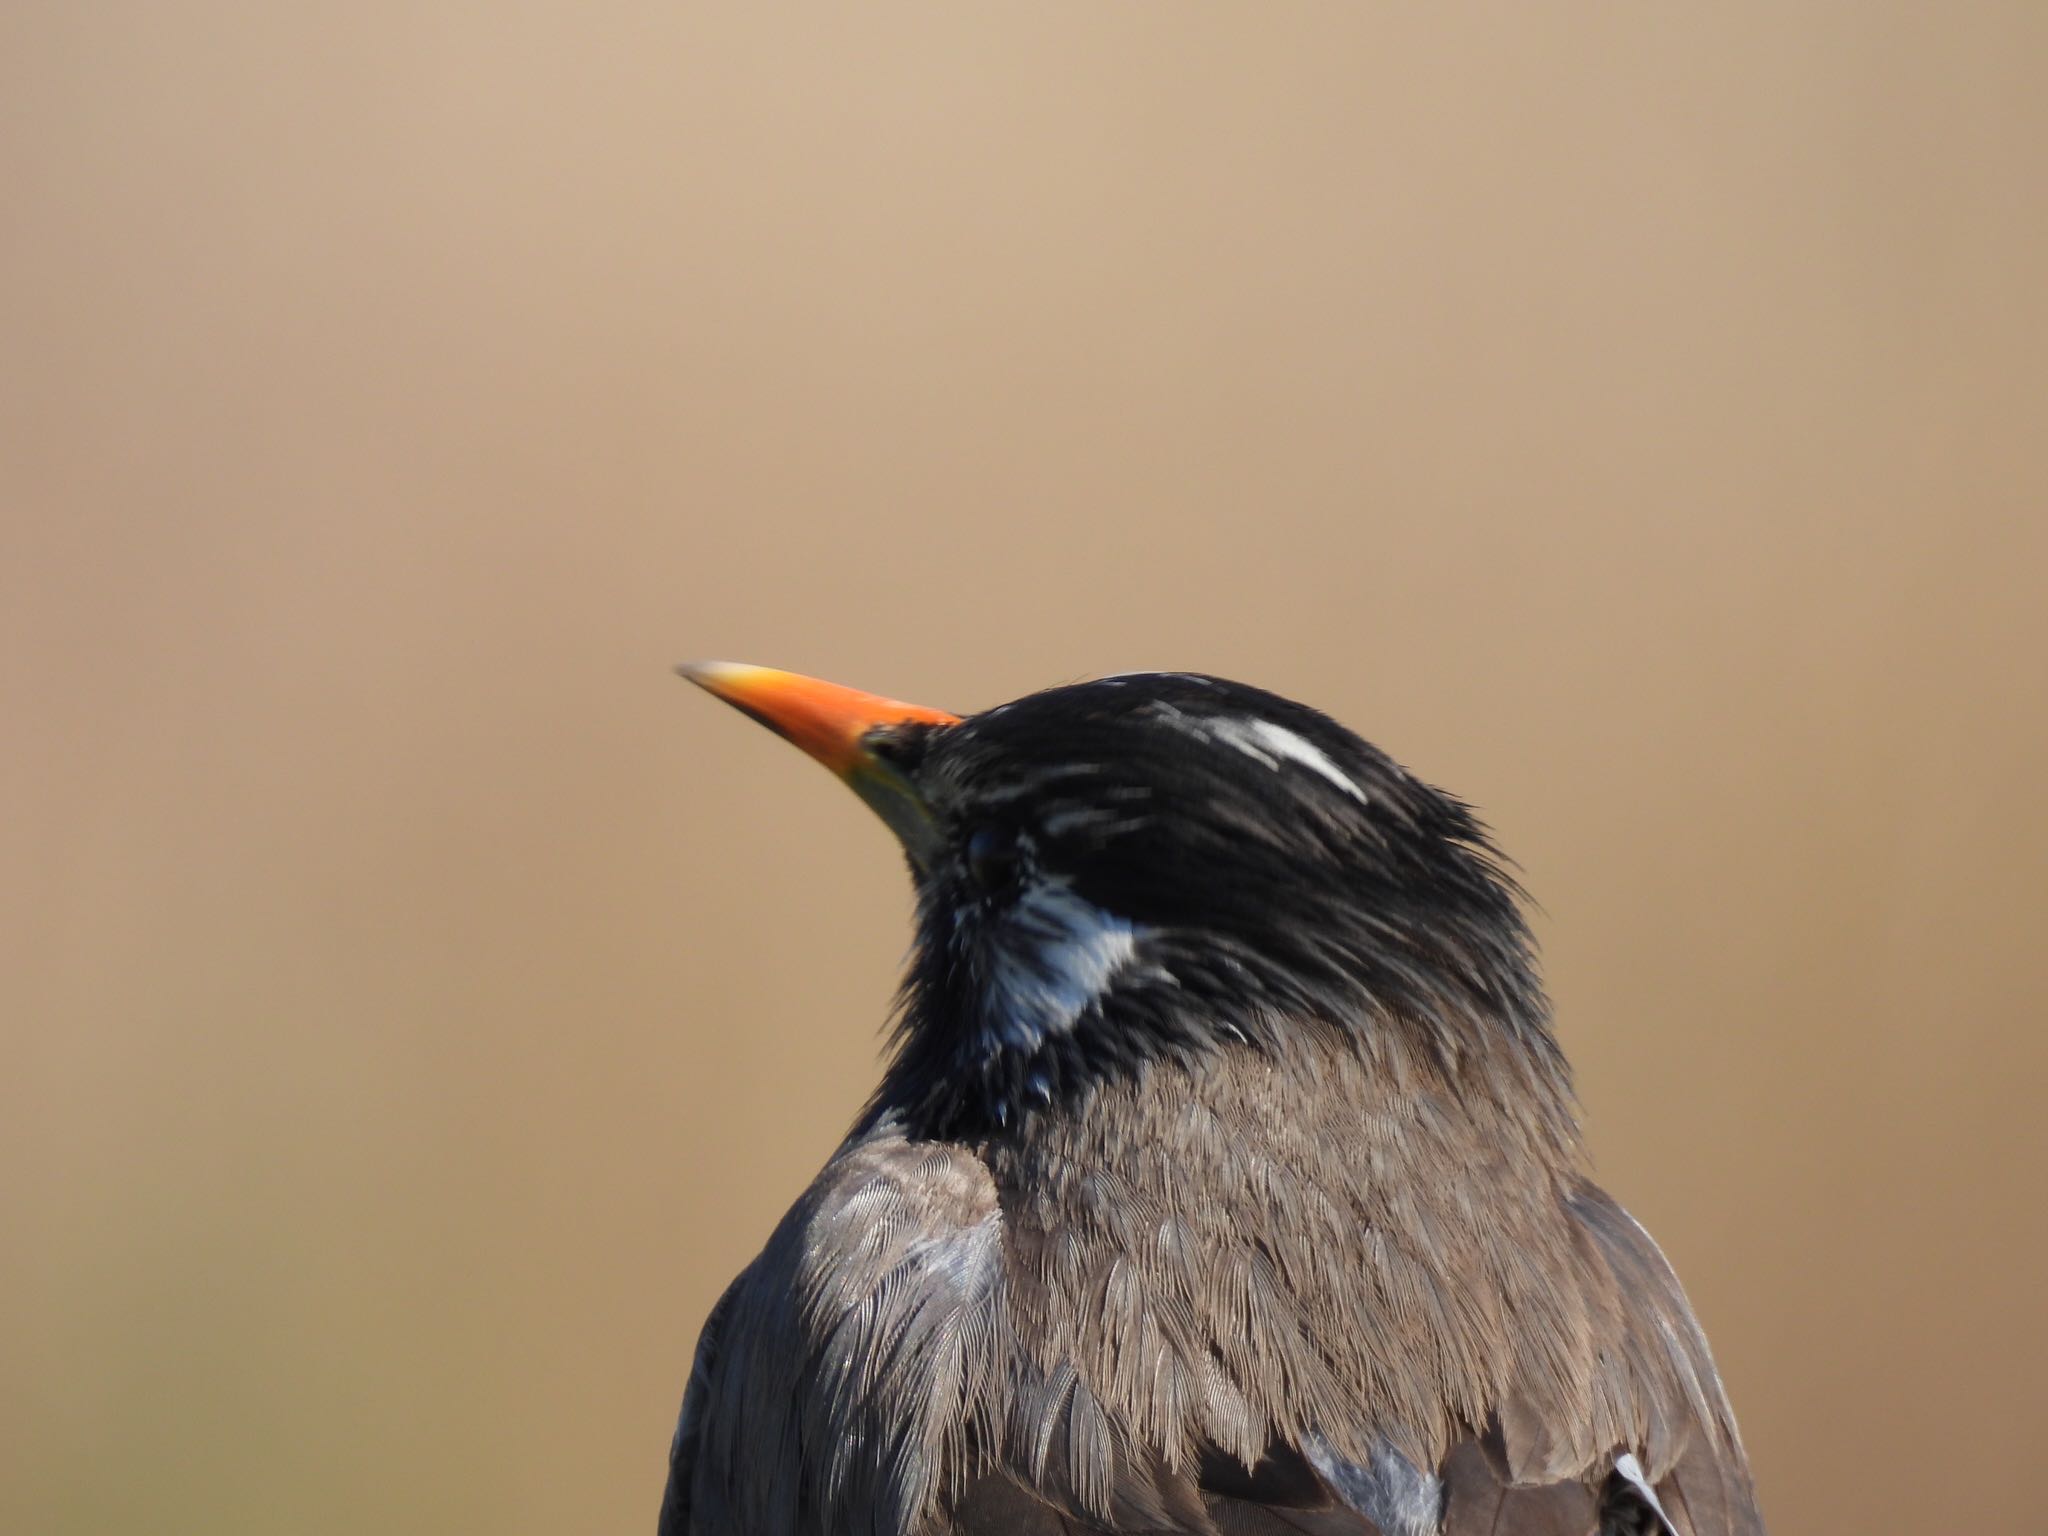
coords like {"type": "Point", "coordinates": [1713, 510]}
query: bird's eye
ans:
{"type": "Point", "coordinates": [992, 857]}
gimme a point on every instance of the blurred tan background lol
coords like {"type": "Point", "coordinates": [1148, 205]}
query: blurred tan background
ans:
{"type": "Point", "coordinates": [417, 1003]}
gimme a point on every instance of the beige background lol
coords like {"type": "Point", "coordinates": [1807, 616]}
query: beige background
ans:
{"type": "Point", "coordinates": [416, 1002]}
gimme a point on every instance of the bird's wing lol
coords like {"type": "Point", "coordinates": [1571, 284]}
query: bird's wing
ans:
{"type": "Point", "coordinates": [1699, 1474]}
{"type": "Point", "coordinates": [1651, 1365]}
{"type": "Point", "coordinates": [1652, 1370]}
{"type": "Point", "coordinates": [841, 1373]}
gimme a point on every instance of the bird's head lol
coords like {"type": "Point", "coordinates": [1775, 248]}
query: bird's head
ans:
{"type": "Point", "coordinates": [1156, 865]}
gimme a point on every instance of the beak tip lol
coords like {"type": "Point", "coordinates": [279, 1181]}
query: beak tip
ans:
{"type": "Point", "coordinates": [709, 674]}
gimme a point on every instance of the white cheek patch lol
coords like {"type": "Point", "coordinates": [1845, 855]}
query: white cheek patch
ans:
{"type": "Point", "coordinates": [1054, 955]}
{"type": "Point", "coordinates": [1274, 744]}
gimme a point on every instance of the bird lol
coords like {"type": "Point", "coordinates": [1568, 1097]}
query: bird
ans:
{"type": "Point", "coordinates": [1224, 1176]}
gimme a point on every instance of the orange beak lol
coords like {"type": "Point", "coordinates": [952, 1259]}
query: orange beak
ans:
{"type": "Point", "coordinates": [837, 726]}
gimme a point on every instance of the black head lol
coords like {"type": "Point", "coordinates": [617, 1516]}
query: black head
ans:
{"type": "Point", "coordinates": [1159, 864]}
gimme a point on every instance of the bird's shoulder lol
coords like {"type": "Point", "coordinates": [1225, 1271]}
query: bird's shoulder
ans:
{"type": "Point", "coordinates": [839, 1373]}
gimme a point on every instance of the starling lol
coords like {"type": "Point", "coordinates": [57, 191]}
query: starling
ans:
{"type": "Point", "coordinates": [1224, 1176]}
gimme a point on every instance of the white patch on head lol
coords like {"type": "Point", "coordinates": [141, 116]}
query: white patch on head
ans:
{"type": "Point", "coordinates": [1272, 744]}
{"type": "Point", "coordinates": [1055, 954]}
{"type": "Point", "coordinates": [1266, 742]}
